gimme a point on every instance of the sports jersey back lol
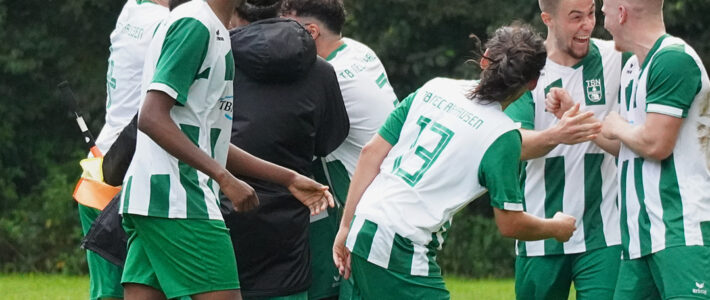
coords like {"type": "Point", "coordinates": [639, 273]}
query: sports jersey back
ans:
{"type": "Point", "coordinates": [431, 172]}
{"type": "Point", "coordinates": [579, 180]}
{"type": "Point", "coordinates": [190, 59]}
{"type": "Point", "coordinates": [129, 43]}
{"type": "Point", "coordinates": [666, 203]}
{"type": "Point", "coordinates": [368, 98]}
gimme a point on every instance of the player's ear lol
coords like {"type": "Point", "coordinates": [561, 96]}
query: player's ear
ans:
{"type": "Point", "coordinates": [623, 14]}
{"type": "Point", "coordinates": [484, 63]}
{"type": "Point", "coordinates": [313, 29]}
{"type": "Point", "coordinates": [532, 83]}
{"type": "Point", "coordinates": [546, 18]}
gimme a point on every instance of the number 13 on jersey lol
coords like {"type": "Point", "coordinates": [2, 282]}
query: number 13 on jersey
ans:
{"type": "Point", "coordinates": [422, 150]}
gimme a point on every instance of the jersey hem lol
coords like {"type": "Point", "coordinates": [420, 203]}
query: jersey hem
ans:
{"type": "Point", "coordinates": [563, 253]}
{"type": "Point", "coordinates": [145, 214]}
{"type": "Point", "coordinates": [630, 257]}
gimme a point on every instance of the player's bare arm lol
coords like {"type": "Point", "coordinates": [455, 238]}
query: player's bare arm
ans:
{"type": "Point", "coordinates": [368, 166]}
{"type": "Point", "coordinates": [523, 226]}
{"type": "Point", "coordinates": [654, 139]}
{"type": "Point", "coordinates": [155, 121]}
{"type": "Point", "coordinates": [313, 195]}
{"type": "Point", "coordinates": [574, 127]}
{"type": "Point", "coordinates": [558, 102]}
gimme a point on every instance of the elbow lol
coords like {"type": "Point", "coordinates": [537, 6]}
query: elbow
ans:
{"type": "Point", "coordinates": [507, 231]}
{"type": "Point", "coordinates": [659, 152]}
{"type": "Point", "coordinates": [145, 123]}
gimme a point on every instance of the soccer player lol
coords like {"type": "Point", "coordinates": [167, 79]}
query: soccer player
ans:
{"type": "Point", "coordinates": [178, 244]}
{"type": "Point", "coordinates": [565, 165]}
{"type": "Point", "coordinates": [443, 146]}
{"type": "Point", "coordinates": [129, 43]}
{"type": "Point", "coordinates": [369, 98]}
{"type": "Point", "coordinates": [288, 109]}
{"type": "Point", "coordinates": [663, 158]}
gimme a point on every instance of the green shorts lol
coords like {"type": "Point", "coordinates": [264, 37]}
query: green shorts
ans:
{"type": "Point", "coordinates": [672, 273]}
{"type": "Point", "coordinates": [593, 272]}
{"type": "Point", "coordinates": [104, 277]}
{"type": "Point", "coordinates": [325, 279]}
{"type": "Point", "coordinates": [347, 290]}
{"type": "Point", "coordinates": [299, 296]}
{"type": "Point", "coordinates": [179, 257]}
{"type": "Point", "coordinates": [375, 282]}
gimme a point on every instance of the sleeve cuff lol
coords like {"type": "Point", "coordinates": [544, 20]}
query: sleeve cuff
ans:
{"type": "Point", "coordinates": [157, 86]}
{"type": "Point", "coordinates": [664, 109]}
{"type": "Point", "coordinates": [512, 206]}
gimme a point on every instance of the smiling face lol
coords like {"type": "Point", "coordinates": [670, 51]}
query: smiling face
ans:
{"type": "Point", "coordinates": [571, 26]}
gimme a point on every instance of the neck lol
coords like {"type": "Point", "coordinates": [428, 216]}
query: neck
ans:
{"type": "Point", "coordinates": [223, 9]}
{"type": "Point", "coordinates": [644, 39]}
{"type": "Point", "coordinates": [327, 44]}
{"type": "Point", "coordinates": [558, 56]}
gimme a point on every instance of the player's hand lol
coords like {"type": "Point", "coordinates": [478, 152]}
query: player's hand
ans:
{"type": "Point", "coordinates": [312, 194]}
{"type": "Point", "coordinates": [341, 254]}
{"type": "Point", "coordinates": [558, 101]}
{"type": "Point", "coordinates": [565, 226]}
{"type": "Point", "coordinates": [610, 124]}
{"type": "Point", "coordinates": [576, 127]}
{"type": "Point", "coordinates": [242, 195]}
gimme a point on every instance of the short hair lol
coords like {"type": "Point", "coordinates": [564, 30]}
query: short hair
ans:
{"type": "Point", "coordinates": [329, 12]}
{"type": "Point", "coordinates": [516, 54]}
{"type": "Point", "coordinates": [172, 4]}
{"type": "Point", "coordinates": [255, 10]}
{"type": "Point", "coordinates": [549, 6]}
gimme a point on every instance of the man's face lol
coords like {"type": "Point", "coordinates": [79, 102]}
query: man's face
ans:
{"type": "Point", "coordinates": [611, 20]}
{"type": "Point", "coordinates": [572, 26]}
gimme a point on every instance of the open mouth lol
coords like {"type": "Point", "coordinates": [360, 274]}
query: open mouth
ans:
{"type": "Point", "coordinates": [581, 39]}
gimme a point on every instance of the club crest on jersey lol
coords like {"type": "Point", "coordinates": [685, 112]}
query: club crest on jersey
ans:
{"type": "Point", "coordinates": [594, 90]}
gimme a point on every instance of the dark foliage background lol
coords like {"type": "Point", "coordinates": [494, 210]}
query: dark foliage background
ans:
{"type": "Point", "coordinates": [46, 41]}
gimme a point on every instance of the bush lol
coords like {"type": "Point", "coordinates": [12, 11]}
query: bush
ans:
{"type": "Point", "coordinates": [474, 247]}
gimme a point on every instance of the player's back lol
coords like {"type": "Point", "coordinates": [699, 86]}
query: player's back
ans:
{"type": "Point", "coordinates": [433, 168]}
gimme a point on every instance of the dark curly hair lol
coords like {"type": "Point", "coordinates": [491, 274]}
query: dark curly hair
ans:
{"type": "Point", "coordinates": [255, 10]}
{"type": "Point", "coordinates": [516, 54]}
{"type": "Point", "coordinates": [330, 12]}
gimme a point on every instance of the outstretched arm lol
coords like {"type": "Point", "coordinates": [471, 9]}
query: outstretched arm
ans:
{"type": "Point", "coordinates": [526, 227]}
{"type": "Point", "coordinates": [368, 166]}
{"type": "Point", "coordinates": [654, 139]}
{"type": "Point", "coordinates": [312, 194]}
{"type": "Point", "coordinates": [155, 121]}
{"type": "Point", "coordinates": [558, 102]}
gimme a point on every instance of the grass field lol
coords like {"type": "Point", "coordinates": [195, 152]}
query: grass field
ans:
{"type": "Point", "coordinates": [39, 286]}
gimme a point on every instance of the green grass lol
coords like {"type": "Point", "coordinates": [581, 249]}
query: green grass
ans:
{"type": "Point", "coordinates": [40, 286]}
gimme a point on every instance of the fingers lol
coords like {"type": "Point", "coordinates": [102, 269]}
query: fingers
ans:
{"type": "Point", "coordinates": [348, 270]}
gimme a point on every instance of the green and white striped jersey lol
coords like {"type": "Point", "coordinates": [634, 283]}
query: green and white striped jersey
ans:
{"type": "Point", "coordinates": [190, 59]}
{"type": "Point", "coordinates": [368, 98]}
{"type": "Point", "coordinates": [579, 180]}
{"type": "Point", "coordinates": [446, 151]}
{"type": "Point", "coordinates": [129, 44]}
{"type": "Point", "coordinates": [666, 203]}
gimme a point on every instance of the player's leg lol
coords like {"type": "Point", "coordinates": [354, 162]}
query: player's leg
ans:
{"type": "Point", "coordinates": [375, 282]}
{"type": "Point", "coordinates": [543, 277]}
{"type": "Point", "coordinates": [326, 280]}
{"type": "Point", "coordinates": [682, 272]}
{"type": "Point", "coordinates": [188, 257]}
{"type": "Point", "coordinates": [104, 277]}
{"type": "Point", "coordinates": [635, 281]}
{"type": "Point", "coordinates": [595, 272]}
